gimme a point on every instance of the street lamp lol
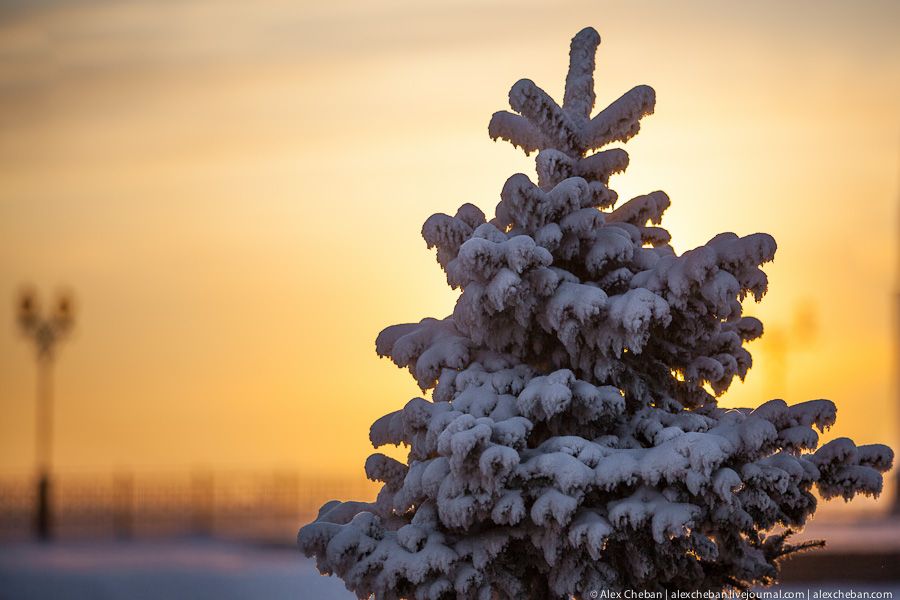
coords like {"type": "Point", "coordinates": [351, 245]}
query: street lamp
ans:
{"type": "Point", "coordinates": [45, 331]}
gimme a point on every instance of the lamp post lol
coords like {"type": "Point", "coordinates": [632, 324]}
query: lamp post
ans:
{"type": "Point", "coordinates": [45, 331]}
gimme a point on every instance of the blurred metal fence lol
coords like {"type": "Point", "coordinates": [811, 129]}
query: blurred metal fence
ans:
{"type": "Point", "coordinates": [265, 506]}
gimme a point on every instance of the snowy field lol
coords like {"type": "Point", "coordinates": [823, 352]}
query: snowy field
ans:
{"type": "Point", "coordinates": [194, 570]}
{"type": "Point", "coordinates": [167, 570]}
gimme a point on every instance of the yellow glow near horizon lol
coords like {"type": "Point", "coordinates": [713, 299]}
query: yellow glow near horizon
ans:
{"type": "Point", "coordinates": [236, 195]}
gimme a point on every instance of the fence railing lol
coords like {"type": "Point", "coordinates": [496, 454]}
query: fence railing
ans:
{"type": "Point", "coordinates": [228, 504]}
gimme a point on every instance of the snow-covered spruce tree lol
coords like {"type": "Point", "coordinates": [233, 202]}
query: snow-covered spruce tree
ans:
{"type": "Point", "coordinates": [573, 442]}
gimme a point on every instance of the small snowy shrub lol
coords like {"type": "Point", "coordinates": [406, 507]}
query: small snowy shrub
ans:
{"type": "Point", "coordinates": [572, 441]}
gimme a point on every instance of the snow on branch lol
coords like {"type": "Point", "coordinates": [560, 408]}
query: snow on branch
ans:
{"type": "Point", "coordinates": [621, 120]}
{"type": "Point", "coordinates": [545, 114]}
{"type": "Point", "coordinates": [517, 130]}
{"type": "Point", "coordinates": [579, 96]}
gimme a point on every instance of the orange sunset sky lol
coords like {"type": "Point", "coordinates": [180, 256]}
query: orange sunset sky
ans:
{"type": "Point", "coordinates": [235, 193]}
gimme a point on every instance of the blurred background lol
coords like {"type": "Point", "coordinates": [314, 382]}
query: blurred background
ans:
{"type": "Point", "coordinates": [231, 195]}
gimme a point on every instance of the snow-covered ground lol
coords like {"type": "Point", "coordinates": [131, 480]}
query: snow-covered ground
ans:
{"type": "Point", "coordinates": [172, 570]}
{"type": "Point", "coordinates": [196, 570]}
